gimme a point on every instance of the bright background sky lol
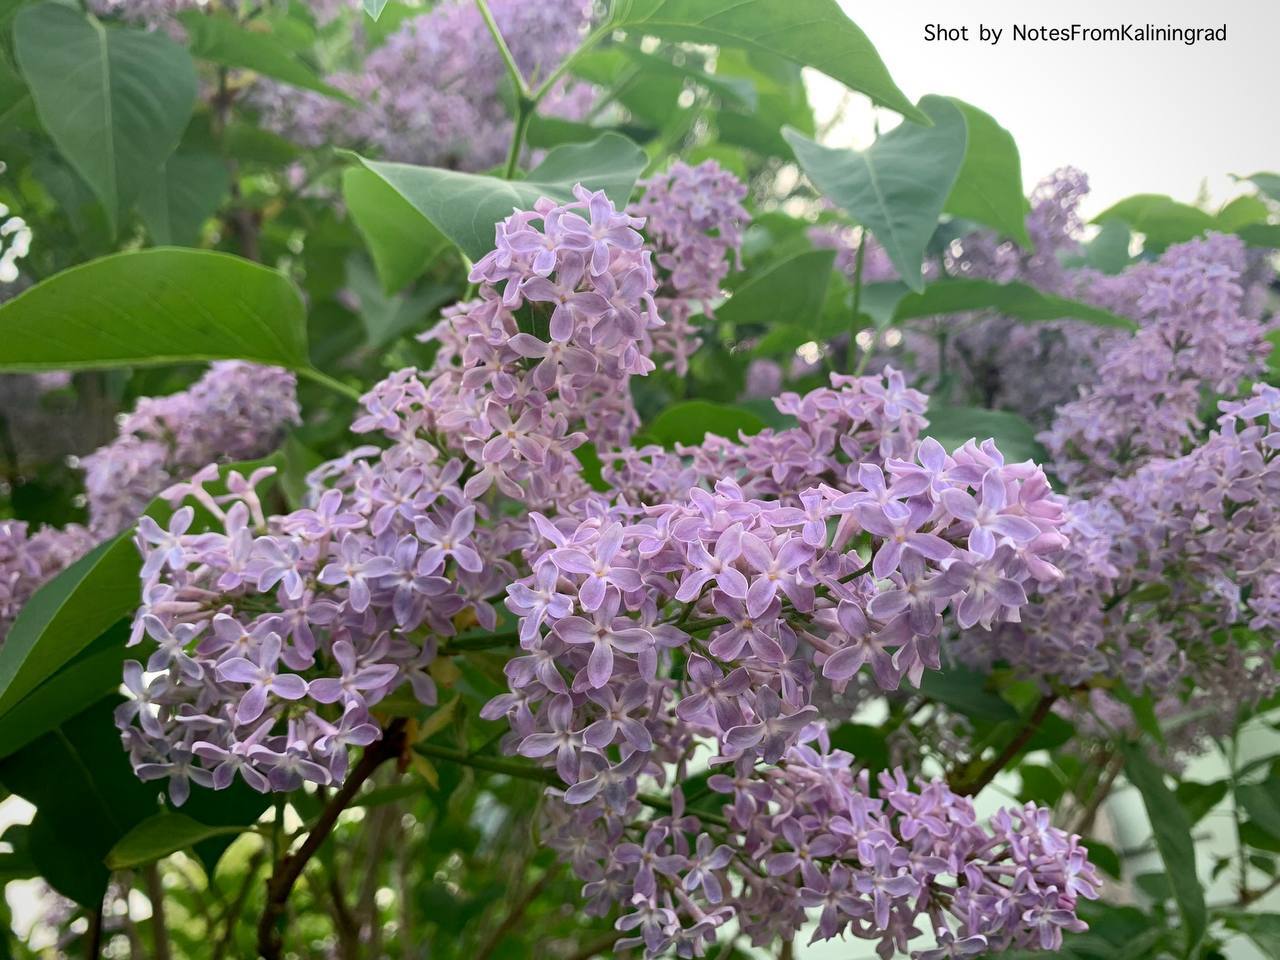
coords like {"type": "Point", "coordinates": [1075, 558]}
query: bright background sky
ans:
{"type": "Point", "coordinates": [1138, 118]}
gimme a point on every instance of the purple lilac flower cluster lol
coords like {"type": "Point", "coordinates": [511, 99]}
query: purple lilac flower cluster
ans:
{"type": "Point", "coordinates": [1195, 336]}
{"type": "Point", "coordinates": [235, 411]}
{"type": "Point", "coordinates": [431, 92]}
{"type": "Point", "coordinates": [694, 219]}
{"type": "Point", "coordinates": [30, 559]}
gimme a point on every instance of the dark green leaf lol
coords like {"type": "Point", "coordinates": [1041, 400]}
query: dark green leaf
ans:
{"type": "Point", "coordinates": [951, 426]}
{"type": "Point", "coordinates": [689, 423]}
{"type": "Point", "coordinates": [115, 101]}
{"type": "Point", "coordinates": [792, 289]}
{"type": "Point", "coordinates": [66, 615]}
{"type": "Point", "coordinates": [813, 33]}
{"type": "Point", "coordinates": [865, 742]}
{"type": "Point", "coordinates": [1260, 235]}
{"type": "Point", "coordinates": [156, 306]}
{"type": "Point", "coordinates": [1262, 801]}
{"type": "Point", "coordinates": [1011, 299]}
{"type": "Point", "coordinates": [466, 206]}
{"type": "Point", "coordinates": [1105, 858]}
{"type": "Point", "coordinates": [965, 692]}
{"type": "Point", "coordinates": [1160, 219]}
{"type": "Point", "coordinates": [187, 191]}
{"type": "Point", "coordinates": [898, 186]}
{"type": "Point", "coordinates": [1262, 928]}
{"type": "Point", "coordinates": [400, 241]}
{"type": "Point", "coordinates": [385, 317]}
{"type": "Point", "coordinates": [160, 835]}
{"type": "Point", "coordinates": [1172, 830]}
{"type": "Point", "coordinates": [1199, 798]}
{"type": "Point", "coordinates": [219, 39]}
{"type": "Point", "coordinates": [989, 187]}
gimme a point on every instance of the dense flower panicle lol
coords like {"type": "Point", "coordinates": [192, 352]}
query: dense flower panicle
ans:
{"type": "Point", "coordinates": [235, 411]}
{"type": "Point", "coordinates": [29, 559]}
{"type": "Point", "coordinates": [694, 219]}
{"type": "Point", "coordinates": [1195, 336]}
{"type": "Point", "coordinates": [431, 92]}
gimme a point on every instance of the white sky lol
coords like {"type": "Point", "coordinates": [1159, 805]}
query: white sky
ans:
{"type": "Point", "coordinates": [1138, 118]}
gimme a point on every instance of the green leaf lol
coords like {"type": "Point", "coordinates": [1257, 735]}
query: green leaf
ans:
{"type": "Point", "coordinates": [66, 615]}
{"type": "Point", "coordinates": [374, 8]}
{"type": "Point", "coordinates": [689, 422]}
{"type": "Point", "coordinates": [1172, 830]}
{"type": "Point", "coordinates": [812, 33]}
{"type": "Point", "coordinates": [1199, 798]}
{"type": "Point", "coordinates": [160, 835]}
{"type": "Point", "coordinates": [114, 101]}
{"type": "Point", "coordinates": [466, 206]}
{"type": "Point", "coordinates": [1109, 250]}
{"type": "Point", "coordinates": [898, 186]}
{"type": "Point", "coordinates": [148, 307]}
{"type": "Point", "coordinates": [736, 90]}
{"type": "Point", "coordinates": [219, 39]}
{"type": "Point", "coordinates": [385, 317]}
{"type": "Point", "coordinates": [793, 289]}
{"type": "Point", "coordinates": [1243, 211]}
{"type": "Point", "coordinates": [400, 241]}
{"type": "Point", "coordinates": [1160, 219]}
{"type": "Point", "coordinates": [1262, 801]}
{"type": "Point", "coordinates": [989, 187]}
{"type": "Point", "coordinates": [1260, 234]}
{"type": "Point", "coordinates": [1014, 299]}
{"type": "Point", "coordinates": [1262, 928]}
{"type": "Point", "coordinates": [1268, 183]}
{"type": "Point", "coordinates": [188, 190]}
{"type": "Point", "coordinates": [952, 425]}
{"type": "Point", "coordinates": [966, 692]}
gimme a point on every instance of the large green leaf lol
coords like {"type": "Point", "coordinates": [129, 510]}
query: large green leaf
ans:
{"type": "Point", "coordinates": [966, 692]}
{"type": "Point", "coordinates": [400, 241]}
{"type": "Point", "coordinates": [115, 101]}
{"type": "Point", "coordinates": [1160, 219]}
{"type": "Point", "coordinates": [898, 186]}
{"type": "Point", "coordinates": [789, 292]}
{"type": "Point", "coordinates": [1268, 183]}
{"type": "Point", "coordinates": [1262, 801]}
{"type": "Point", "coordinates": [188, 190]}
{"type": "Point", "coordinates": [813, 33]}
{"type": "Point", "coordinates": [989, 187]}
{"type": "Point", "coordinates": [387, 317]}
{"type": "Point", "coordinates": [149, 307]}
{"type": "Point", "coordinates": [952, 425]}
{"type": "Point", "coordinates": [1011, 299]}
{"type": "Point", "coordinates": [160, 835]}
{"type": "Point", "coordinates": [66, 615]}
{"type": "Point", "coordinates": [466, 206]}
{"type": "Point", "coordinates": [219, 39]}
{"type": "Point", "coordinates": [1172, 830]}
{"type": "Point", "coordinates": [1262, 928]}
{"type": "Point", "coordinates": [690, 421]}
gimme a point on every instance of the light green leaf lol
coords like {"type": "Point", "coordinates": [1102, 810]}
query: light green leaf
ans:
{"type": "Point", "coordinates": [1260, 234]}
{"type": "Point", "coordinates": [1109, 250]}
{"type": "Point", "coordinates": [1243, 211]}
{"type": "Point", "coordinates": [1011, 299]}
{"type": "Point", "coordinates": [400, 241]}
{"type": "Point", "coordinates": [813, 33]}
{"type": "Point", "coordinates": [1160, 219]}
{"type": "Point", "coordinates": [188, 190]}
{"type": "Point", "coordinates": [148, 307]}
{"type": "Point", "coordinates": [898, 186]}
{"type": "Point", "coordinates": [1262, 928]}
{"type": "Point", "coordinates": [789, 293]}
{"type": "Point", "coordinates": [115, 101]}
{"type": "Point", "coordinates": [1262, 801]}
{"type": "Point", "coordinates": [374, 8]}
{"type": "Point", "coordinates": [1172, 830]}
{"type": "Point", "coordinates": [160, 835]}
{"type": "Point", "coordinates": [66, 615]}
{"type": "Point", "coordinates": [219, 39]}
{"type": "Point", "coordinates": [951, 426]}
{"type": "Point", "coordinates": [736, 90]}
{"type": "Point", "coordinates": [989, 187]}
{"type": "Point", "coordinates": [466, 206]}
{"type": "Point", "coordinates": [1268, 183]}
{"type": "Point", "coordinates": [689, 423]}
{"type": "Point", "coordinates": [387, 317]}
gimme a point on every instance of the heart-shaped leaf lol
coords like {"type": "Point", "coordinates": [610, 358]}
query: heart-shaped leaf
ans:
{"type": "Point", "coordinates": [989, 187]}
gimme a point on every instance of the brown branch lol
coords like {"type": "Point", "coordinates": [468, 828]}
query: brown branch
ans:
{"type": "Point", "coordinates": [1012, 748]}
{"type": "Point", "coordinates": [286, 872]}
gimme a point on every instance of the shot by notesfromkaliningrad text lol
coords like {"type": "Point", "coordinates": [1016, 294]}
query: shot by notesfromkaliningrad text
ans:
{"type": "Point", "coordinates": [1075, 33]}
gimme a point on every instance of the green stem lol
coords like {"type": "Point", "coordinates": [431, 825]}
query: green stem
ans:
{"type": "Point", "coordinates": [588, 42]}
{"type": "Point", "coordinates": [513, 68]}
{"type": "Point", "coordinates": [524, 113]}
{"type": "Point", "coordinates": [317, 376]}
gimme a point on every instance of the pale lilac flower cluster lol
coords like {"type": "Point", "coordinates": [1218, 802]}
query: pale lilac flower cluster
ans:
{"type": "Point", "coordinates": [714, 618]}
{"type": "Point", "coordinates": [1195, 337]}
{"type": "Point", "coordinates": [431, 93]}
{"type": "Point", "coordinates": [148, 13]}
{"type": "Point", "coordinates": [236, 411]}
{"type": "Point", "coordinates": [844, 240]}
{"type": "Point", "coordinates": [541, 361]}
{"type": "Point", "coordinates": [694, 219]}
{"type": "Point", "coordinates": [29, 559]}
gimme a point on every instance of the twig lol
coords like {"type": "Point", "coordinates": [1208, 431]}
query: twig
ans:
{"type": "Point", "coordinates": [1012, 748]}
{"type": "Point", "coordinates": [155, 893]}
{"type": "Point", "coordinates": [494, 940]}
{"type": "Point", "coordinates": [1111, 771]}
{"type": "Point", "coordinates": [236, 907]}
{"type": "Point", "coordinates": [93, 936]}
{"type": "Point", "coordinates": [286, 872]}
